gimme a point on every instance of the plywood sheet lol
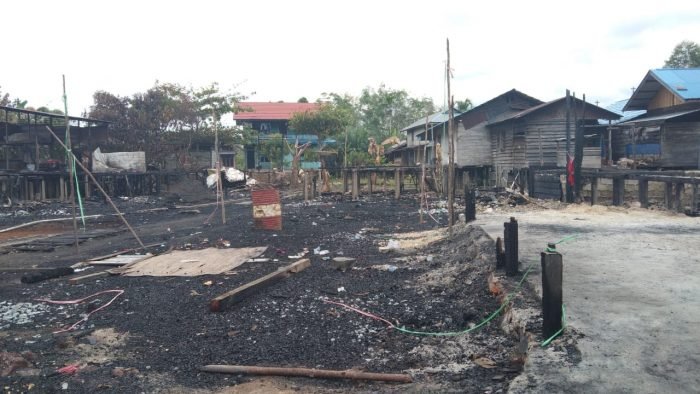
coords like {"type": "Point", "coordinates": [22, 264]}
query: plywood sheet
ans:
{"type": "Point", "coordinates": [192, 262]}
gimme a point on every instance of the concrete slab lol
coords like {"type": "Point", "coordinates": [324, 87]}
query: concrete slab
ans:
{"type": "Point", "coordinates": [631, 286]}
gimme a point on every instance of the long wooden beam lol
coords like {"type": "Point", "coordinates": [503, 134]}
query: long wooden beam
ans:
{"type": "Point", "coordinates": [236, 295]}
{"type": "Point", "coordinates": [308, 372]}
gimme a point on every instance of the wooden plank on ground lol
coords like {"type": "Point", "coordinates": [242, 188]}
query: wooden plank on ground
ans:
{"type": "Point", "coordinates": [234, 296]}
{"type": "Point", "coordinates": [122, 259]}
{"type": "Point", "coordinates": [124, 252]}
{"type": "Point", "coordinates": [94, 275]}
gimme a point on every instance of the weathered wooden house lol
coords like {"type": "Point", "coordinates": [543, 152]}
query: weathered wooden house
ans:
{"type": "Point", "coordinates": [668, 134]}
{"type": "Point", "coordinates": [473, 153]}
{"type": "Point", "coordinates": [529, 139]}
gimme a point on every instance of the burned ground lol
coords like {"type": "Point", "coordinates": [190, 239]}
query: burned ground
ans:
{"type": "Point", "coordinates": [166, 331]}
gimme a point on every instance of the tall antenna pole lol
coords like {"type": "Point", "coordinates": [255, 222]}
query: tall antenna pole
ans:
{"type": "Point", "coordinates": [450, 133]}
{"type": "Point", "coordinates": [70, 159]}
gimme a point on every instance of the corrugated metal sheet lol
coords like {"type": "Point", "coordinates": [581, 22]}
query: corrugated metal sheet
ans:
{"type": "Point", "coordinates": [661, 118]}
{"type": "Point", "coordinates": [684, 82]}
{"type": "Point", "coordinates": [434, 119]}
{"type": "Point", "coordinates": [617, 107]}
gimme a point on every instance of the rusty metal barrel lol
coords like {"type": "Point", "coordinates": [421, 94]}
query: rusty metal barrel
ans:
{"type": "Point", "coordinates": [267, 210]}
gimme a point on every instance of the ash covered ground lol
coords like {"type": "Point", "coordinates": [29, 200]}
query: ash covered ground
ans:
{"type": "Point", "coordinates": [159, 332]}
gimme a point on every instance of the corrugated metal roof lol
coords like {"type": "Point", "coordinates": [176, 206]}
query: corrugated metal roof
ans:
{"type": "Point", "coordinates": [617, 107]}
{"type": "Point", "coordinates": [682, 82]}
{"type": "Point", "coordinates": [663, 117]}
{"type": "Point", "coordinates": [575, 103]}
{"type": "Point", "coordinates": [438, 117]}
{"type": "Point", "coordinates": [271, 111]}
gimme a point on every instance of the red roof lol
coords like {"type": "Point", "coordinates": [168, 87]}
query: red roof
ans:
{"type": "Point", "coordinates": [271, 111]}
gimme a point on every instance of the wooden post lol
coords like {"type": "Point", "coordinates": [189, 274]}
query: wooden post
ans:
{"type": "Point", "coordinates": [678, 203]}
{"type": "Point", "coordinates": [314, 184]}
{"type": "Point", "coordinates": [384, 184]}
{"type": "Point", "coordinates": [355, 185]}
{"type": "Point", "coordinates": [43, 188]}
{"type": "Point", "coordinates": [510, 237]}
{"type": "Point", "coordinates": [62, 187]}
{"type": "Point", "coordinates": [552, 276]}
{"type": "Point", "coordinates": [469, 204]}
{"type": "Point", "coordinates": [668, 196]}
{"type": "Point", "coordinates": [345, 180]}
{"type": "Point", "coordinates": [500, 254]}
{"type": "Point", "coordinates": [694, 199]}
{"type": "Point", "coordinates": [643, 187]}
{"type": "Point", "coordinates": [369, 183]}
{"type": "Point", "coordinates": [594, 190]}
{"type": "Point", "coordinates": [618, 191]}
{"type": "Point", "coordinates": [397, 183]}
{"type": "Point", "coordinates": [306, 186]}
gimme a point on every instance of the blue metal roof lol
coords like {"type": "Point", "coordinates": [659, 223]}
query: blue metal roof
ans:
{"type": "Point", "coordinates": [617, 107]}
{"type": "Point", "coordinates": [685, 82]}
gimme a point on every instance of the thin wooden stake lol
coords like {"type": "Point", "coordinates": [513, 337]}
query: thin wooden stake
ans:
{"type": "Point", "coordinates": [71, 171]}
{"type": "Point", "coordinates": [99, 187]}
{"type": "Point", "coordinates": [450, 134]}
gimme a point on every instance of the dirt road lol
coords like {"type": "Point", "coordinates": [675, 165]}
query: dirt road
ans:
{"type": "Point", "coordinates": [631, 289]}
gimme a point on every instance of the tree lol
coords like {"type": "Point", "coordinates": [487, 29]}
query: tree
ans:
{"type": "Point", "coordinates": [385, 111]}
{"type": "Point", "coordinates": [685, 55]}
{"type": "Point", "coordinates": [303, 100]}
{"type": "Point", "coordinates": [4, 98]}
{"type": "Point", "coordinates": [464, 106]}
{"type": "Point", "coordinates": [273, 149]}
{"type": "Point", "coordinates": [169, 118]}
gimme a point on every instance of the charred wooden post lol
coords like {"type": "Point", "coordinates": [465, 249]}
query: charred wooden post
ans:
{"type": "Point", "coordinates": [500, 254]}
{"type": "Point", "coordinates": [594, 191]}
{"type": "Point", "coordinates": [397, 183]}
{"type": "Point", "coordinates": [618, 191]}
{"type": "Point", "coordinates": [694, 199]}
{"type": "Point", "coordinates": [306, 186]}
{"type": "Point", "coordinates": [678, 203]}
{"type": "Point", "coordinates": [510, 237]}
{"type": "Point", "coordinates": [643, 193]}
{"type": "Point", "coordinates": [552, 277]}
{"type": "Point", "coordinates": [345, 180]}
{"type": "Point", "coordinates": [668, 196]}
{"type": "Point", "coordinates": [355, 185]}
{"type": "Point", "coordinates": [469, 204]}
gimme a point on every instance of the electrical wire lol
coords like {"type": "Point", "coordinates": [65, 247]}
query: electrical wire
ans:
{"type": "Point", "coordinates": [404, 330]}
{"type": "Point", "coordinates": [78, 301]}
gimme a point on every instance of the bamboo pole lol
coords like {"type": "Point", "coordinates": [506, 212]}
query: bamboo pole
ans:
{"type": "Point", "coordinates": [308, 372]}
{"type": "Point", "coordinates": [71, 170]}
{"type": "Point", "coordinates": [99, 187]}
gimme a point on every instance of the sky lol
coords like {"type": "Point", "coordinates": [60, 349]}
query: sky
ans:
{"type": "Point", "coordinates": [283, 50]}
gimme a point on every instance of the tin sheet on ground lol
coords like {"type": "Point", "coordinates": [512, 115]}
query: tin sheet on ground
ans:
{"type": "Point", "coordinates": [192, 262]}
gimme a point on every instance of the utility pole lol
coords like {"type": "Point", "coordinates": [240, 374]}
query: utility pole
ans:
{"type": "Point", "coordinates": [569, 190]}
{"type": "Point", "coordinates": [451, 146]}
{"type": "Point", "coordinates": [71, 167]}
